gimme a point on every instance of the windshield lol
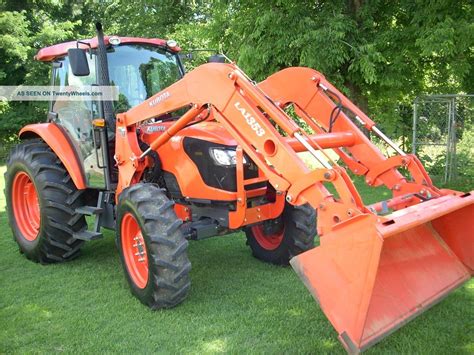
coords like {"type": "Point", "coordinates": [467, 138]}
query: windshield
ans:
{"type": "Point", "coordinates": [140, 71]}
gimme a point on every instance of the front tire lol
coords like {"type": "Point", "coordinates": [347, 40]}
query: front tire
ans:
{"type": "Point", "coordinates": [152, 247]}
{"type": "Point", "coordinates": [41, 200]}
{"type": "Point", "coordinates": [285, 237]}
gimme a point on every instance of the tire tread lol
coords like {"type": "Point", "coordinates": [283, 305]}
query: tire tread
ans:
{"type": "Point", "coordinates": [58, 197]}
{"type": "Point", "coordinates": [166, 246]}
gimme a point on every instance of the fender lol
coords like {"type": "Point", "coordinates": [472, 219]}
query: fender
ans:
{"type": "Point", "coordinates": [58, 141]}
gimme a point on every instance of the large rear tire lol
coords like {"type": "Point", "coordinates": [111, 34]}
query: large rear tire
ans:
{"type": "Point", "coordinates": [285, 237]}
{"type": "Point", "coordinates": [152, 247]}
{"type": "Point", "coordinates": [41, 200]}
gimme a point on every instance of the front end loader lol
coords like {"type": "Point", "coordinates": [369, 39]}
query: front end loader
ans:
{"type": "Point", "coordinates": [186, 156]}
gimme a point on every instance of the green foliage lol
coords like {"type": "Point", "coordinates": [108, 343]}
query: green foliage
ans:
{"type": "Point", "coordinates": [381, 53]}
{"type": "Point", "coordinates": [434, 158]}
{"type": "Point", "coordinates": [14, 46]}
{"type": "Point", "coordinates": [22, 33]}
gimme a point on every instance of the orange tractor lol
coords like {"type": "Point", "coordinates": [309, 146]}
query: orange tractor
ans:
{"type": "Point", "coordinates": [189, 156]}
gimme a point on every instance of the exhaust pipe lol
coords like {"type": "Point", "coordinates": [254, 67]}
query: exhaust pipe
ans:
{"type": "Point", "coordinates": [103, 76]}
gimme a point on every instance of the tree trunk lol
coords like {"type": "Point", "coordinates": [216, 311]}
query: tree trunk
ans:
{"type": "Point", "coordinates": [359, 100]}
{"type": "Point", "coordinates": [357, 96]}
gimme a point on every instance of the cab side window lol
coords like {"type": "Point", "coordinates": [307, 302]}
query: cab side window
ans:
{"type": "Point", "coordinates": [76, 116]}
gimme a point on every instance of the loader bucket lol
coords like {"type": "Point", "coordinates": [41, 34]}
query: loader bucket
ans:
{"type": "Point", "coordinates": [372, 277]}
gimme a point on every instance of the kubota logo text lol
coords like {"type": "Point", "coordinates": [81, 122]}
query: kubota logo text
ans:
{"type": "Point", "coordinates": [159, 99]}
{"type": "Point", "coordinates": [251, 121]}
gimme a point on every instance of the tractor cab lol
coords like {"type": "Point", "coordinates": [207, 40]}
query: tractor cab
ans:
{"type": "Point", "coordinates": [138, 67]}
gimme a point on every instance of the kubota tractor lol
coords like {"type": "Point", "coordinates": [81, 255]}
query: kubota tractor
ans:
{"type": "Point", "coordinates": [189, 156]}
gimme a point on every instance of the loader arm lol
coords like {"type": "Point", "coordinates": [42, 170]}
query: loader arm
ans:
{"type": "Point", "coordinates": [244, 110]}
{"type": "Point", "coordinates": [314, 99]}
{"type": "Point", "coordinates": [371, 273]}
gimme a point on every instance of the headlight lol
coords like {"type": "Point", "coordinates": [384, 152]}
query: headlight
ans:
{"type": "Point", "coordinates": [224, 157]}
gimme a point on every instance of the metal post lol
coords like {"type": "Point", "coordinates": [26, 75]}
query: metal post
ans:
{"type": "Point", "coordinates": [415, 107]}
{"type": "Point", "coordinates": [448, 140]}
{"type": "Point", "coordinates": [452, 141]}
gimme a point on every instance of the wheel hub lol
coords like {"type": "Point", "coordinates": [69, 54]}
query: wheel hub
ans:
{"type": "Point", "coordinates": [268, 241]}
{"type": "Point", "coordinates": [273, 226]}
{"type": "Point", "coordinates": [141, 251]}
{"type": "Point", "coordinates": [134, 250]}
{"type": "Point", "coordinates": [25, 205]}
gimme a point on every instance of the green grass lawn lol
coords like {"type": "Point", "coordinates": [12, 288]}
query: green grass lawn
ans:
{"type": "Point", "coordinates": [236, 304]}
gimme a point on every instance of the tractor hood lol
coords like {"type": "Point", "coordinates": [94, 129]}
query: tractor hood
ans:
{"type": "Point", "coordinates": [208, 131]}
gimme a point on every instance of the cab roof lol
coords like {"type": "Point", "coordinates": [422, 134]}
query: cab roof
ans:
{"type": "Point", "coordinates": [50, 53]}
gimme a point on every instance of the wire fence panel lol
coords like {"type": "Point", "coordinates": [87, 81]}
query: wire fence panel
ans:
{"type": "Point", "coordinates": [443, 137]}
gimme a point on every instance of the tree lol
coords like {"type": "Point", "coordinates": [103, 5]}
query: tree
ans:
{"type": "Point", "coordinates": [22, 33]}
{"type": "Point", "coordinates": [381, 53]}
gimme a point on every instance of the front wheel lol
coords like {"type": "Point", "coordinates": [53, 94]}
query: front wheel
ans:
{"type": "Point", "coordinates": [152, 247]}
{"type": "Point", "coordinates": [277, 241]}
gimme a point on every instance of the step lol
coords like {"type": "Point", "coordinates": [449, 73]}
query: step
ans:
{"type": "Point", "coordinates": [89, 210]}
{"type": "Point", "coordinates": [87, 235]}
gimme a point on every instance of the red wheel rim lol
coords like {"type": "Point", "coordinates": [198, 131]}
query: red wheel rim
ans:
{"type": "Point", "coordinates": [134, 251]}
{"type": "Point", "coordinates": [25, 204]}
{"type": "Point", "coordinates": [267, 241]}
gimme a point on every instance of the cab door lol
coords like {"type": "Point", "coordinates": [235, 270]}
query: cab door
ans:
{"type": "Point", "coordinates": [75, 116]}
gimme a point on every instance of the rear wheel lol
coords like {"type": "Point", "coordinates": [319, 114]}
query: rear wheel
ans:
{"type": "Point", "coordinates": [152, 247]}
{"type": "Point", "coordinates": [41, 201]}
{"type": "Point", "coordinates": [277, 241]}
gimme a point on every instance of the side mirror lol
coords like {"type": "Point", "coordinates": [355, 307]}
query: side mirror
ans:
{"type": "Point", "coordinates": [216, 58]}
{"type": "Point", "coordinates": [78, 62]}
